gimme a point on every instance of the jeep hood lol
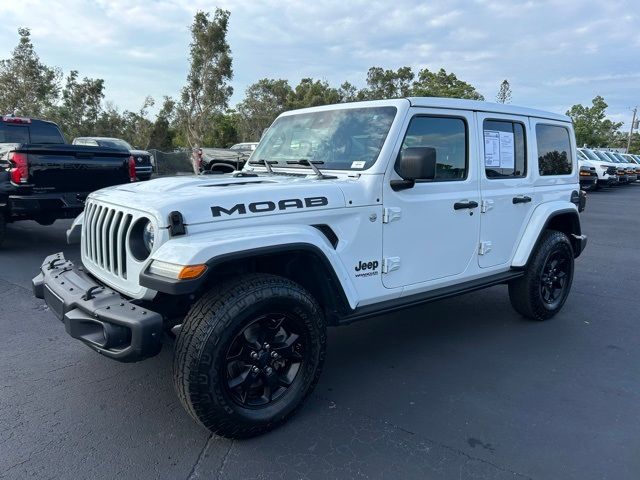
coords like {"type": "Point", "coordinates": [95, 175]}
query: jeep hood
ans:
{"type": "Point", "coordinates": [218, 198]}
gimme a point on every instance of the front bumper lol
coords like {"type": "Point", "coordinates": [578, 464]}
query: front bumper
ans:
{"type": "Point", "coordinates": [588, 182]}
{"type": "Point", "coordinates": [97, 315]}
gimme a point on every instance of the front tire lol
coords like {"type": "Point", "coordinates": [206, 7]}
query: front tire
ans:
{"type": "Point", "coordinates": [544, 288]}
{"type": "Point", "coordinates": [249, 353]}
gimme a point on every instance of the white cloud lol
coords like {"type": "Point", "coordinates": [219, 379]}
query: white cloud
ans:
{"type": "Point", "coordinates": [554, 52]}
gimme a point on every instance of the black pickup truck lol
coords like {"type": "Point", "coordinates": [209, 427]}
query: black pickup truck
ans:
{"type": "Point", "coordinates": [43, 178]}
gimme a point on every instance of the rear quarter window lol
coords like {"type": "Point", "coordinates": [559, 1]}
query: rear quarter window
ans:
{"type": "Point", "coordinates": [554, 150]}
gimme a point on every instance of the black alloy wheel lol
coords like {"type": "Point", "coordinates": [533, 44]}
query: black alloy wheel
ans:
{"type": "Point", "coordinates": [544, 287]}
{"type": "Point", "coordinates": [264, 360]}
{"type": "Point", "coordinates": [554, 278]}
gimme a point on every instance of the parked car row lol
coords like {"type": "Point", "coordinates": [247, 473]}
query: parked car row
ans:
{"type": "Point", "coordinates": [600, 168]}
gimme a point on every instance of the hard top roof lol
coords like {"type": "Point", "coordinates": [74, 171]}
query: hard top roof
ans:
{"type": "Point", "coordinates": [445, 103]}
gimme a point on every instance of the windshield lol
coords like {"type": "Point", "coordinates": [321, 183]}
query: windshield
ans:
{"type": "Point", "coordinates": [243, 146]}
{"type": "Point", "coordinates": [590, 155]}
{"type": "Point", "coordinates": [114, 143]}
{"type": "Point", "coordinates": [602, 156]}
{"type": "Point", "coordinates": [342, 139]}
{"type": "Point", "coordinates": [612, 157]}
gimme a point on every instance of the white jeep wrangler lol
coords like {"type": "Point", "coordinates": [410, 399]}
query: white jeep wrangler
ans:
{"type": "Point", "coordinates": [343, 212]}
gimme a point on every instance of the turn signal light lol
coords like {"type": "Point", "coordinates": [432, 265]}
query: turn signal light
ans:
{"type": "Point", "coordinates": [177, 272]}
{"type": "Point", "coordinates": [191, 271]}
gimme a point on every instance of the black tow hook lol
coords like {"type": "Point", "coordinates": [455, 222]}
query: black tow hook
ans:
{"type": "Point", "coordinates": [52, 264]}
{"type": "Point", "coordinates": [89, 294]}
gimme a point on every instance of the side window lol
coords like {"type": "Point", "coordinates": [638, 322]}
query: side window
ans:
{"type": "Point", "coordinates": [554, 150]}
{"type": "Point", "coordinates": [448, 136]}
{"type": "Point", "coordinates": [505, 151]}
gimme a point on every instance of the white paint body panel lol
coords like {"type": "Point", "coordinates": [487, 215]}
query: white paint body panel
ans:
{"type": "Point", "coordinates": [427, 244]}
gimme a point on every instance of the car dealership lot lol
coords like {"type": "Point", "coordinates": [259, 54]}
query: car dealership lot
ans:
{"type": "Point", "coordinates": [462, 388]}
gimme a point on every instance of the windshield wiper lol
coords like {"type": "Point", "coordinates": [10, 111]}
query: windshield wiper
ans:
{"type": "Point", "coordinates": [312, 164]}
{"type": "Point", "coordinates": [266, 163]}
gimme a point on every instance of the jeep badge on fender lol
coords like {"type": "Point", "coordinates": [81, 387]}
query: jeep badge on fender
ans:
{"type": "Point", "coordinates": [340, 217]}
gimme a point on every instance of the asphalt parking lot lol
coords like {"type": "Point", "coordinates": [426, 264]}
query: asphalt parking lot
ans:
{"type": "Point", "coordinates": [462, 388]}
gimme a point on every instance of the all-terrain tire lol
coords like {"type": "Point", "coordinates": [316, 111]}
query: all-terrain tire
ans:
{"type": "Point", "coordinates": [527, 293]}
{"type": "Point", "coordinates": [214, 323]}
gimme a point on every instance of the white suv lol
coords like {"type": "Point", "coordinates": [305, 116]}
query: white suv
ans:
{"type": "Point", "coordinates": [343, 213]}
{"type": "Point", "coordinates": [606, 170]}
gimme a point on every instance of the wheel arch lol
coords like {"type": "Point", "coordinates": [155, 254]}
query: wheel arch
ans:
{"type": "Point", "coordinates": [302, 263]}
{"type": "Point", "coordinates": [301, 253]}
{"type": "Point", "coordinates": [564, 218]}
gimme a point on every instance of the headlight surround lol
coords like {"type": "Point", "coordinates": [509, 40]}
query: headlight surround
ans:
{"type": "Point", "coordinates": [148, 236]}
{"type": "Point", "coordinates": [142, 239]}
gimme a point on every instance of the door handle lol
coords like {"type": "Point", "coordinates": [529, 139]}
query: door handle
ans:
{"type": "Point", "coordinates": [521, 199]}
{"type": "Point", "coordinates": [465, 204]}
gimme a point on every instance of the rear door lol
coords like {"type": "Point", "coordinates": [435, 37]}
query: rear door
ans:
{"type": "Point", "coordinates": [505, 185]}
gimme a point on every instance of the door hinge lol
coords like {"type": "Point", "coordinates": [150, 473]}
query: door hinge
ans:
{"type": "Point", "coordinates": [390, 264]}
{"type": "Point", "coordinates": [390, 214]}
{"type": "Point", "coordinates": [485, 247]}
{"type": "Point", "coordinates": [486, 205]}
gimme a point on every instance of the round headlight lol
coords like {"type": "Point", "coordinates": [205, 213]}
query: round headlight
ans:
{"type": "Point", "coordinates": [148, 236]}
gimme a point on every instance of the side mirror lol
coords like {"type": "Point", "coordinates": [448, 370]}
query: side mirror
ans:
{"type": "Point", "coordinates": [415, 163]}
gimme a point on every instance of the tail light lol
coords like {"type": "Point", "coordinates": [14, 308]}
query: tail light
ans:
{"type": "Point", "coordinates": [19, 171]}
{"type": "Point", "coordinates": [132, 169]}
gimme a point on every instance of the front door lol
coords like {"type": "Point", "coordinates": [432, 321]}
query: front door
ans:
{"type": "Point", "coordinates": [505, 184]}
{"type": "Point", "coordinates": [431, 230]}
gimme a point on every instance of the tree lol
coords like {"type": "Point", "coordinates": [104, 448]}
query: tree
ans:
{"type": "Point", "coordinates": [310, 93]}
{"type": "Point", "coordinates": [225, 131]}
{"type": "Point", "coordinates": [591, 125]}
{"type": "Point", "coordinates": [81, 105]}
{"type": "Point", "coordinates": [137, 127]}
{"type": "Point", "coordinates": [504, 94]}
{"type": "Point", "coordinates": [162, 134]}
{"type": "Point", "coordinates": [443, 84]}
{"type": "Point", "coordinates": [263, 102]}
{"type": "Point", "coordinates": [207, 92]}
{"type": "Point", "coordinates": [347, 92]}
{"type": "Point", "coordinates": [383, 83]}
{"type": "Point", "coordinates": [27, 86]}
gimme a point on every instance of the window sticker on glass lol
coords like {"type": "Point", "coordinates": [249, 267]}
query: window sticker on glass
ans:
{"type": "Point", "coordinates": [499, 149]}
{"type": "Point", "coordinates": [358, 164]}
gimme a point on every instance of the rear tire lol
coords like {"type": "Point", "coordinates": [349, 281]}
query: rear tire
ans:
{"type": "Point", "coordinates": [249, 353]}
{"type": "Point", "coordinates": [544, 288]}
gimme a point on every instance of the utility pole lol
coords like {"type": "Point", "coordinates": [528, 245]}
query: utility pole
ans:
{"type": "Point", "coordinates": [633, 125]}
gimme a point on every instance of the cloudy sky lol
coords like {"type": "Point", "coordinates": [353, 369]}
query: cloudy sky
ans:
{"type": "Point", "coordinates": [554, 53]}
